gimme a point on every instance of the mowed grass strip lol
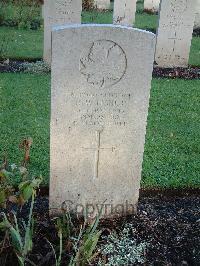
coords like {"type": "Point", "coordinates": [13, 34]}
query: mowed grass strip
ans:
{"type": "Point", "coordinates": [172, 149]}
{"type": "Point", "coordinates": [28, 44]}
{"type": "Point", "coordinates": [21, 44]}
{"type": "Point", "coordinates": [25, 112]}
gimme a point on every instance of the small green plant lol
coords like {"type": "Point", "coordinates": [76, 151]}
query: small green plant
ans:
{"type": "Point", "coordinates": [9, 193]}
{"type": "Point", "coordinates": [10, 172]}
{"type": "Point", "coordinates": [22, 235]}
{"type": "Point", "coordinates": [64, 227]}
{"type": "Point", "coordinates": [59, 258]}
{"type": "Point", "coordinates": [82, 245]}
{"type": "Point", "coordinates": [6, 189]}
{"type": "Point", "coordinates": [85, 244]}
{"type": "Point", "coordinates": [64, 224]}
{"type": "Point", "coordinates": [123, 249]}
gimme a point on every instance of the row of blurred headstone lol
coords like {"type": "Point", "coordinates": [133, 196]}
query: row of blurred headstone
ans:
{"type": "Point", "coordinates": [151, 6]}
{"type": "Point", "coordinates": [174, 33]}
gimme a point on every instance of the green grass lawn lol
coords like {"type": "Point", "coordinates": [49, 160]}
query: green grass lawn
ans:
{"type": "Point", "coordinates": [25, 111]}
{"type": "Point", "coordinates": [142, 20]}
{"type": "Point", "coordinates": [172, 149]}
{"type": "Point", "coordinates": [21, 44]}
{"type": "Point", "coordinates": [194, 59]}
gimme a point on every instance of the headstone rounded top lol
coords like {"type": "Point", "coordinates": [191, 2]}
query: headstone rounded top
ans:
{"type": "Point", "coordinates": [103, 63]}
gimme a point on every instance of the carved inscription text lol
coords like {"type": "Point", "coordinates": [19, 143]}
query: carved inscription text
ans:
{"type": "Point", "coordinates": [99, 109]}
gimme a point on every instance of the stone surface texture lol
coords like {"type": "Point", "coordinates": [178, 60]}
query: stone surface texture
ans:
{"type": "Point", "coordinates": [102, 4]}
{"type": "Point", "coordinates": [124, 12]}
{"type": "Point", "coordinates": [174, 33]}
{"type": "Point", "coordinates": [101, 79]}
{"type": "Point", "coordinates": [197, 15]}
{"type": "Point", "coordinates": [151, 5]}
{"type": "Point", "coordinates": [57, 13]}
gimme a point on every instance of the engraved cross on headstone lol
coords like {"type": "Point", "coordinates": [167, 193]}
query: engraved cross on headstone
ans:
{"type": "Point", "coordinates": [175, 39]}
{"type": "Point", "coordinates": [97, 150]}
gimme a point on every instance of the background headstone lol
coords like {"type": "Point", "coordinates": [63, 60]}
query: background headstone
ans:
{"type": "Point", "coordinates": [56, 13]}
{"type": "Point", "coordinates": [174, 33]}
{"type": "Point", "coordinates": [101, 78]}
{"type": "Point", "coordinates": [197, 15]}
{"type": "Point", "coordinates": [102, 4]}
{"type": "Point", "coordinates": [151, 5]}
{"type": "Point", "coordinates": [124, 12]}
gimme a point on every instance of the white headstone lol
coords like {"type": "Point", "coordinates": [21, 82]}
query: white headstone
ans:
{"type": "Point", "coordinates": [57, 13]}
{"type": "Point", "coordinates": [102, 4]}
{"type": "Point", "coordinates": [151, 5]}
{"type": "Point", "coordinates": [174, 34]}
{"type": "Point", "coordinates": [124, 12]}
{"type": "Point", "coordinates": [101, 79]}
{"type": "Point", "coordinates": [197, 15]}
